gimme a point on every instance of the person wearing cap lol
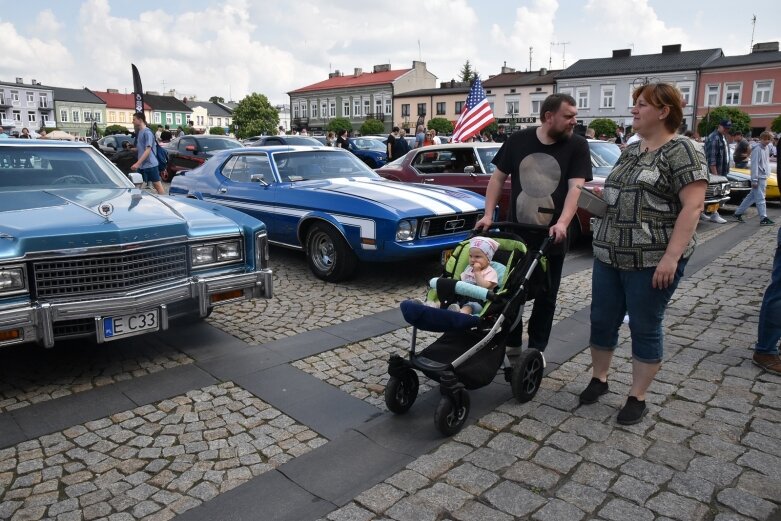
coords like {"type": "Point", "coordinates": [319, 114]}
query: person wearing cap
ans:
{"type": "Point", "coordinates": [479, 272]}
{"type": "Point", "coordinates": [718, 156]}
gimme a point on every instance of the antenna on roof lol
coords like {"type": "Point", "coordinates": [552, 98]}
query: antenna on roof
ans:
{"type": "Point", "coordinates": [563, 52]}
{"type": "Point", "coordinates": [753, 26]}
{"type": "Point", "coordinates": [420, 55]}
{"type": "Point", "coordinates": [531, 51]}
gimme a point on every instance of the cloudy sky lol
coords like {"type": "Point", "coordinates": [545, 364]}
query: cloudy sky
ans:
{"type": "Point", "coordinates": [231, 48]}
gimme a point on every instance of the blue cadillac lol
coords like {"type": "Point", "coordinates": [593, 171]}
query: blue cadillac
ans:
{"type": "Point", "coordinates": [84, 253]}
{"type": "Point", "coordinates": [328, 203]}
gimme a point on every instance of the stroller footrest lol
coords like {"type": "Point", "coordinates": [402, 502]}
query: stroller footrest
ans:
{"type": "Point", "coordinates": [426, 364]}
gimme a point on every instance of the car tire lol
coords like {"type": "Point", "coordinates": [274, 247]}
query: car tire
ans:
{"type": "Point", "coordinates": [328, 254]}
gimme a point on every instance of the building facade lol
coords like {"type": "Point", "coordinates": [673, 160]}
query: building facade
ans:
{"type": "Point", "coordinates": [206, 115]}
{"type": "Point", "coordinates": [516, 97]}
{"type": "Point", "coordinates": [25, 105]}
{"type": "Point", "coordinates": [357, 97]}
{"type": "Point", "coordinates": [602, 87]}
{"type": "Point", "coordinates": [284, 116]}
{"type": "Point", "coordinates": [167, 110]}
{"type": "Point", "coordinates": [417, 107]}
{"type": "Point", "coordinates": [747, 82]}
{"type": "Point", "coordinates": [120, 108]}
{"type": "Point", "coordinates": [75, 110]}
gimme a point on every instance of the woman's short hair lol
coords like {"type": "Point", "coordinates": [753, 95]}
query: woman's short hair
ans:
{"type": "Point", "coordinates": [662, 95]}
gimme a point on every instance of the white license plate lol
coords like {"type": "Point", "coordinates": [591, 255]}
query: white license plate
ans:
{"type": "Point", "coordinates": [129, 325]}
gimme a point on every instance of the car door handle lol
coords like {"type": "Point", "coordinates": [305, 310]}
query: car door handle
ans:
{"type": "Point", "coordinates": [428, 180]}
{"type": "Point", "coordinates": [222, 190]}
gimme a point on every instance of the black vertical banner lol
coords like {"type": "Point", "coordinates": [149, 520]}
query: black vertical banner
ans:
{"type": "Point", "coordinates": [138, 92]}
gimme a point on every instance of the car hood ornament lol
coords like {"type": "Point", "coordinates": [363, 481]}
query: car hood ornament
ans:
{"type": "Point", "coordinates": [105, 209]}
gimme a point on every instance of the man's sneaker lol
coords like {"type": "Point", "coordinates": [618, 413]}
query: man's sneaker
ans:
{"type": "Point", "coordinates": [704, 217]}
{"type": "Point", "coordinates": [633, 411]}
{"type": "Point", "coordinates": [738, 218]}
{"type": "Point", "coordinates": [769, 362]}
{"type": "Point", "coordinates": [593, 391]}
{"type": "Point", "coordinates": [716, 218]}
{"type": "Point", "coordinates": [766, 222]}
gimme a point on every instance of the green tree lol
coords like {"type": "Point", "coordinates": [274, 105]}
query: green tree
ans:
{"type": "Point", "coordinates": [217, 131]}
{"type": "Point", "coordinates": [775, 126]}
{"type": "Point", "coordinates": [441, 125]}
{"type": "Point", "coordinates": [467, 73]}
{"type": "Point", "coordinates": [337, 124]}
{"type": "Point", "coordinates": [254, 115]}
{"type": "Point", "coordinates": [740, 120]}
{"type": "Point", "coordinates": [604, 126]}
{"type": "Point", "coordinates": [114, 129]}
{"type": "Point", "coordinates": [372, 126]}
{"type": "Point", "coordinates": [493, 128]}
{"type": "Point", "coordinates": [217, 99]}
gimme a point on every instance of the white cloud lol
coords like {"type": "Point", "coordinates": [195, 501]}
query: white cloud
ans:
{"type": "Point", "coordinates": [533, 27]}
{"type": "Point", "coordinates": [46, 23]}
{"type": "Point", "coordinates": [27, 57]}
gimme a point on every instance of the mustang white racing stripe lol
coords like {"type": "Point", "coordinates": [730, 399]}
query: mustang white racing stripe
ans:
{"type": "Point", "coordinates": [371, 189]}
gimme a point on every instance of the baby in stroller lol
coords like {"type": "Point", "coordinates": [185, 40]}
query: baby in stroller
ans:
{"type": "Point", "coordinates": [480, 272]}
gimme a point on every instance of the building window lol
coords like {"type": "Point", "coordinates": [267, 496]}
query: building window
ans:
{"type": "Point", "coordinates": [732, 93]}
{"type": "Point", "coordinates": [157, 118]}
{"type": "Point", "coordinates": [75, 116]}
{"type": "Point", "coordinates": [122, 117]}
{"type": "Point", "coordinates": [87, 116]}
{"type": "Point", "coordinates": [440, 108]}
{"type": "Point", "coordinates": [98, 117]}
{"type": "Point", "coordinates": [15, 97]}
{"type": "Point", "coordinates": [219, 122]}
{"type": "Point", "coordinates": [31, 117]}
{"type": "Point", "coordinates": [332, 109]}
{"type": "Point", "coordinates": [763, 92]}
{"type": "Point", "coordinates": [460, 107]}
{"type": "Point", "coordinates": [388, 106]}
{"type": "Point", "coordinates": [491, 104]}
{"type": "Point", "coordinates": [536, 103]}
{"type": "Point", "coordinates": [568, 91]}
{"type": "Point", "coordinates": [367, 107]}
{"type": "Point", "coordinates": [582, 97]}
{"type": "Point", "coordinates": [512, 106]}
{"type": "Point", "coordinates": [405, 110]}
{"type": "Point", "coordinates": [304, 111]}
{"type": "Point", "coordinates": [64, 115]}
{"type": "Point", "coordinates": [711, 95]}
{"type": "Point", "coordinates": [421, 109]}
{"type": "Point", "coordinates": [2, 98]}
{"type": "Point", "coordinates": [295, 111]}
{"type": "Point", "coordinates": [607, 97]}
{"type": "Point", "coordinates": [169, 119]}
{"type": "Point", "coordinates": [211, 121]}
{"type": "Point", "coordinates": [346, 109]}
{"type": "Point", "coordinates": [178, 119]}
{"type": "Point", "coordinates": [30, 99]}
{"type": "Point", "coordinates": [686, 92]}
{"type": "Point", "coordinates": [44, 101]}
{"type": "Point", "coordinates": [324, 109]}
{"type": "Point", "coordinates": [356, 108]}
{"type": "Point", "coordinates": [18, 116]}
{"type": "Point", "coordinates": [314, 109]}
{"type": "Point", "coordinates": [377, 106]}
{"type": "Point", "coordinates": [112, 116]}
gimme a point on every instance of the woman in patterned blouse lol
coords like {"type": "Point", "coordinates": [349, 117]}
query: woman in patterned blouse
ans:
{"type": "Point", "coordinates": [655, 195]}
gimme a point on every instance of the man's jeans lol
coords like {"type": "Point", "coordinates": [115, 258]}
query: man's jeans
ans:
{"type": "Point", "coordinates": [755, 196]}
{"type": "Point", "coordinates": [769, 332]}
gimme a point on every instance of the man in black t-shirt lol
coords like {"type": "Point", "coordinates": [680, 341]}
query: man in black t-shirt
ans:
{"type": "Point", "coordinates": [546, 165]}
{"type": "Point", "coordinates": [742, 150]}
{"type": "Point", "coordinates": [389, 143]}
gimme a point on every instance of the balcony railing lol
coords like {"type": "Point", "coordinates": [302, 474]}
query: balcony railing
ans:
{"type": "Point", "coordinates": [7, 122]}
{"type": "Point", "coordinates": [379, 116]}
{"type": "Point", "coordinates": [44, 106]}
{"type": "Point", "coordinates": [48, 123]}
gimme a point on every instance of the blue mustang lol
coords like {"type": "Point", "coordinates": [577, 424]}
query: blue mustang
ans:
{"type": "Point", "coordinates": [330, 204]}
{"type": "Point", "coordinates": [85, 253]}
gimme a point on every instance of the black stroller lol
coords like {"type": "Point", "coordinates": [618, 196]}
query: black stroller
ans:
{"type": "Point", "coordinates": [472, 348]}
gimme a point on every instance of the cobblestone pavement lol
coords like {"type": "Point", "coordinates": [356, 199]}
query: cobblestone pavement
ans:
{"type": "Point", "coordinates": [152, 462]}
{"type": "Point", "coordinates": [707, 450]}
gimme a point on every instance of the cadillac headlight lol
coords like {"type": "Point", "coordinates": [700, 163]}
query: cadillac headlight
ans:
{"type": "Point", "coordinates": [12, 279]}
{"type": "Point", "coordinates": [406, 230]}
{"type": "Point", "coordinates": [216, 253]}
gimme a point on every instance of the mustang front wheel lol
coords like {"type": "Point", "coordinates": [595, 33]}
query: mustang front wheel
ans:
{"type": "Point", "coordinates": [328, 254]}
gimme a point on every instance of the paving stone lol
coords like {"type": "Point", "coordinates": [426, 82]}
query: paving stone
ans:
{"type": "Point", "coordinates": [627, 442]}
{"type": "Point", "coordinates": [412, 509]}
{"type": "Point", "coordinates": [647, 471]}
{"type": "Point", "coordinates": [557, 460]}
{"type": "Point", "coordinates": [470, 478]}
{"type": "Point", "coordinates": [549, 416]}
{"type": "Point", "coordinates": [514, 500]}
{"type": "Point", "coordinates": [673, 455]}
{"type": "Point", "coordinates": [512, 444]}
{"type": "Point", "coordinates": [495, 421]}
{"type": "Point", "coordinates": [408, 481]}
{"type": "Point", "coordinates": [760, 485]}
{"type": "Point", "coordinates": [713, 446]}
{"type": "Point", "coordinates": [490, 459]}
{"type": "Point", "coordinates": [692, 486]}
{"type": "Point", "coordinates": [593, 430]}
{"type": "Point", "coordinates": [678, 507]}
{"type": "Point", "coordinates": [762, 442]}
{"type": "Point", "coordinates": [594, 476]}
{"type": "Point", "coordinates": [473, 510]}
{"type": "Point", "coordinates": [473, 435]}
{"type": "Point", "coordinates": [603, 455]}
{"type": "Point", "coordinates": [532, 475]}
{"type": "Point", "coordinates": [620, 510]}
{"type": "Point", "coordinates": [716, 471]}
{"type": "Point", "coordinates": [98, 510]}
{"type": "Point", "coordinates": [533, 429]}
{"type": "Point", "coordinates": [380, 497]}
{"type": "Point", "coordinates": [633, 489]}
{"type": "Point", "coordinates": [584, 497]}
{"type": "Point", "coordinates": [746, 503]}
{"type": "Point", "coordinates": [350, 512]}
{"type": "Point", "coordinates": [555, 510]}
{"type": "Point", "coordinates": [566, 441]}
{"type": "Point", "coordinates": [145, 508]}
{"type": "Point", "coordinates": [443, 497]}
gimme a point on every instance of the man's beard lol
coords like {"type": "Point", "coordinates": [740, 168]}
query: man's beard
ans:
{"type": "Point", "coordinates": [560, 135]}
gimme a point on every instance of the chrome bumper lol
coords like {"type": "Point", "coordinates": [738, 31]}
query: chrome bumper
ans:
{"type": "Point", "coordinates": [37, 318]}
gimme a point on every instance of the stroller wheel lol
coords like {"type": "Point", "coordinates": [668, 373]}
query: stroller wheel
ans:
{"type": "Point", "coordinates": [527, 375]}
{"type": "Point", "coordinates": [450, 419]}
{"type": "Point", "coordinates": [401, 391]}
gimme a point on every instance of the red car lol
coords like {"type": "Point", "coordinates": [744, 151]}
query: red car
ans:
{"type": "Point", "coordinates": [468, 165]}
{"type": "Point", "coordinates": [188, 152]}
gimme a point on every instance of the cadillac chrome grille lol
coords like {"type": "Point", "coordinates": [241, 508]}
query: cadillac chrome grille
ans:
{"type": "Point", "coordinates": [450, 224]}
{"type": "Point", "coordinates": [109, 273]}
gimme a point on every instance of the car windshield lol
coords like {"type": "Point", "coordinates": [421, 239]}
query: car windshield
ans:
{"type": "Point", "coordinates": [301, 140]}
{"type": "Point", "coordinates": [37, 168]}
{"type": "Point", "coordinates": [486, 156]}
{"type": "Point", "coordinates": [211, 144]}
{"type": "Point", "coordinates": [308, 165]}
{"type": "Point", "coordinates": [604, 154]}
{"type": "Point", "coordinates": [369, 144]}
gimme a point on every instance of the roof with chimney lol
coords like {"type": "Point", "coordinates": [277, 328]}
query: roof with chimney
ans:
{"type": "Point", "coordinates": [212, 109]}
{"type": "Point", "coordinates": [445, 88]}
{"type": "Point", "coordinates": [116, 100]}
{"type": "Point", "coordinates": [521, 79]}
{"type": "Point", "coordinates": [20, 84]}
{"type": "Point", "coordinates": [167, 103]}
{"type": "Point", "coordinates": [671, 59]}
{"type": "Point", "coordinates": [339, 80]}
{"type": "Point", "coordinates": [761, 53]}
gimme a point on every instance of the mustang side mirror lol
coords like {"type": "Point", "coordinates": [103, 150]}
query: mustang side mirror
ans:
{"type": "Point", "coordinates": [469, 170]}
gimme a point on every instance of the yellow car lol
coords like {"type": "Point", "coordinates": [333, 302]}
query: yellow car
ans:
{"type": "Point", "coordinates": [771, 192]}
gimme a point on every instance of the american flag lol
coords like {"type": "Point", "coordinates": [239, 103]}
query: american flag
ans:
{"type": "Point", "coordinates": [476, 114]}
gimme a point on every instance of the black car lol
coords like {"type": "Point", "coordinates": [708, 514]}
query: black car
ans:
{"type": "Point", "coordinates": [188, 152]}
{"type": "Point", "coordinates": [266, 141]}
{"type": "Point", "coordinates": [112, 144]}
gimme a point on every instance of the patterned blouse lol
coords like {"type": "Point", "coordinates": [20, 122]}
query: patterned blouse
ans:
{"type": "Point", "coordinates": [642, 196]}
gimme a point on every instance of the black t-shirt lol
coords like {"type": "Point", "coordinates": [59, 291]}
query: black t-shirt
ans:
{"type": "Point", "coordinates": [741, 151]}
{"type": "Point", "coordinates": [341, 142]}
{"type": "Point", "coordinates": [389, 144]}
{"type": "Point", "coordinates": [540, 174]}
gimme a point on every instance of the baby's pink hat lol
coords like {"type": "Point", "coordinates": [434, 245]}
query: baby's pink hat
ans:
{"type": "Point", "coordinates": [488, 246]}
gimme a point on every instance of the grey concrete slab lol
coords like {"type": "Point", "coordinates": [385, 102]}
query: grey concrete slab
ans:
{"type": "Point", "coordinates": [56, 415]}
{"type": "Point", "coordinates": [249, 361]}
{"type": "Point", "coordinates": [200, 341]}
{"type": "Point", "coordinates": [311, 401]}
{"type": "Point", "coordinates": [269, 496]}
{"type": "Point", "coordinates": [165, 384]}
{"type": "Point", "coordinates": [305, 344]}
{"type": "Point", "coordinates": [391, 315]}
{"type": "Point", "coordinates": [360, 329]}
{"type": "Point", "coordinates": [344, 467]}
{"type": "Point", "coordinates": [10, 432]}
